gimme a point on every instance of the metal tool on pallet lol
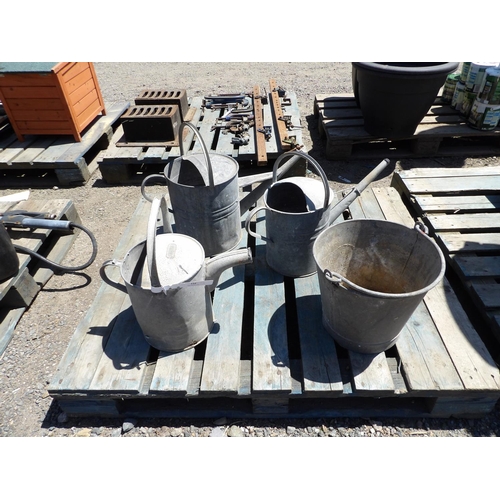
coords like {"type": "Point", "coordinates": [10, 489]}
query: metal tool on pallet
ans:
{"type": "Point", "coordinates": [226, 100]}
{"type": "Point", "coordinates": [23, 219]}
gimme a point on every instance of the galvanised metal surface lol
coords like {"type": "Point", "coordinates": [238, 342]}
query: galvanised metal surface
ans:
{"type": "Point", "coordinates": [204, 193]}
{"type": "Point", "coordinates": [169, 283]}
{"type": "Point", "coordinates": [372, 276]}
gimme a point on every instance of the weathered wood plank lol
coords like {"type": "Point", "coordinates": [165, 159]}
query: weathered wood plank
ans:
{"type": "Point", "coordinates": [73, 155]}
{"type": "Point", "coordinates": [271, 367]}
{"type": "Point", "coordinates": [425, 361]}
{"type": "Point", "coordinates": [457, 204]}
{"type": "Point", "coordinates": [471, 359]}
{"type": "Point", "coordinates": [470, 242]}
{"type": "Point", "coordinates": [469, 184]}
{"type": "Point", "coordinates": [469, 354]}
{"type": "Point", "coordinates": [171, 376]}
{"type": "Point", "coordinates": [221, 369]}
{"type": "Point", "coordinates": [53, 152]}
{"type": "Point", "coordinates": [80, 360]}
{"type": "Point", "coordinates": [320, 367]}
{"type": "Point", "coordinates": [28, 156]}
{"type": "Point", "coordinates": [122, 365]}
{"type": "Point", "coordinates": [371, 373]}
{"type": "Point", "coordinates": [488, 294]}
{"type": "Point", "coordinates": [471, 266]}
{"type": "Point", "coordinates": [465, 222]}
{"type": "Point", "coordinates": [458, 173]}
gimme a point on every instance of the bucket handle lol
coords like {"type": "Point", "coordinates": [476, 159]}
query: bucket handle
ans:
{"type": "Point", "coordinates": [339, 280]}
{"type": "Point", "coordinates": [203, 147]}
{"type": "Point", "coordinates": [314, 163]}
{"type": "Point", "coordinates": [247, 225]}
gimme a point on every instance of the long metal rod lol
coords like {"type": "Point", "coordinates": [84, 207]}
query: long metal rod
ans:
{"type": "Point", "coordinates": [344, 203]}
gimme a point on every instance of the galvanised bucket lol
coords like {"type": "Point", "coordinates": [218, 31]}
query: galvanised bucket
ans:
{"type": "Point", "coordinates": [297, 210]}
{"type": "Point", "coordinates": [372, 275]}
{"type": "Point", "coordinates": [204, 194]}
{"type": "Point", "coordinates": [169, 283]}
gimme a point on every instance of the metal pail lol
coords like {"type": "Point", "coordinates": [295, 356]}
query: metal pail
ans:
{"type": "Point", "coordinates": [297, 210]}
{"type": "Point", "coordinates": [372, 275]}
{"type": "Point", "coordinates": [204, 195]}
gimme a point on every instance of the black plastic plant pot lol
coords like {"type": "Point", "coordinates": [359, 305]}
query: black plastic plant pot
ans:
{"type": "Point", "coordinates": [394, 97]}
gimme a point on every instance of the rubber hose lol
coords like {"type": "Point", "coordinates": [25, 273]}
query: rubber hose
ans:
{"type": "Point", "coordinates": [59, 267]}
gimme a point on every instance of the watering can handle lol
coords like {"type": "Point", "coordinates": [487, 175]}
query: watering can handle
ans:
{"type": "Point", "coordinates": [156, 205]}
{"type": "Point", "coordinates": [203, 147]}
{"type": "Point", "coordinates": [145, 182]}
{"type": "Point", "coordinates": [107, 279]}
{"type": "Point", "coordinates": [247, 224]}
{"type": "Point", "coordinates": [314, 163]}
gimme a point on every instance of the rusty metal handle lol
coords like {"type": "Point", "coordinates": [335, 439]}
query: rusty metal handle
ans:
{"type": "Point", "coordinates": [203, 147]}
{"type": "Point", "coordinates": [422, 228]}
{"type": "Point", "coordinates": [316, 166]}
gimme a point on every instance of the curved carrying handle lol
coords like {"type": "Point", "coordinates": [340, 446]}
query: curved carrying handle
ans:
{"type": "Point", "coordinates": [247, 224]}
{"type": "Point", "coordinates": [203, 147]}
{"type": "Point", "coordinates": [107, 279]}
{"type": "Point", "coordinates": [339, 280]}
{"type": "Point", "coordinates": [156, 205]}
{"type": "Point", "coordinates": [145, 182]}
{"type": "Point", "coordinates": [314, 163]}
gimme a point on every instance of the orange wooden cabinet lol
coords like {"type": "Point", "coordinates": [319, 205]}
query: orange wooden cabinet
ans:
{"type": "Point", "coordinates": [50, 98]}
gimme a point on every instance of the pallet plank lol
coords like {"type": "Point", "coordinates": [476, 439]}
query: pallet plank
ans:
{"type": "Point", "coordinates": [475, 365]}
{"type": "Point", "coordinates": [442, 131]}
{"type": "Point", "coordinates": [171, 376]}
{"type": "Point", "coordinates": [80, 360]}
{"type": "Point", "coordinates": [271, 366]}
{"type": "Point", "coordinates": [469, 239]}
{"type": "Point", "coordinates": [221, 369]}
{"type": "Point", "coordinates": [321, 370]}
{"type": "Point", "coordinates": [123, 362]}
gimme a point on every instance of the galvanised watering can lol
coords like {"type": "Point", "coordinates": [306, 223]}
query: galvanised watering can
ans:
{"type": "Point", "coordinates": [297, 210]}
{"type": "Point", "coordinates": [204, 194]}
{"type": "Point", "coordinates": [169, 282]}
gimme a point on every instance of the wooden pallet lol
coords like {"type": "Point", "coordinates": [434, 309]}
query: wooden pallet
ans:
{"type": "Point", "coordinates": [70, 161]}
{"type": "Point", "coordinates": [17, 294]}
{"type": "Point", "coordinates": [128, 164]}
{"type": "Point", "coordinates": [442, 132]}
{"type": "Point", "coordinates": [269, 355]}
{"type": "Point", "coordinates": [461, 207]}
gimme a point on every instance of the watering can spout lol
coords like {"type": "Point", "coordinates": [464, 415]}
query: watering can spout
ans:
{"type": "Point", "coordinates": [344, 203]}
{"type": "Point", "coordinates": [218, 264]}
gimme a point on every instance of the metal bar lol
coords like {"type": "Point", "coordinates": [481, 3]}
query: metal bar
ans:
{"type": "Point", "coordinates": [278, 114]}
{"type": "Point", "coordinates": [260, 140]}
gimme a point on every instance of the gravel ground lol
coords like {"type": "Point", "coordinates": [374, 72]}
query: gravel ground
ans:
{"type": "Point", "coordinates": [42, 335]}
